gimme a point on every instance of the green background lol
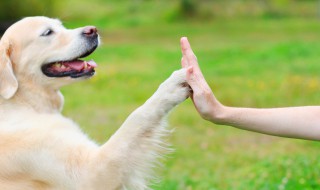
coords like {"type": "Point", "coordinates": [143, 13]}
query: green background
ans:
{"type": "Point", "coordinates": [253, 54]}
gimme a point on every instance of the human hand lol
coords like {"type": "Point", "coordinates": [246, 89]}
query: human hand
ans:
{"type": "Point", "coordinates": [204, 100]}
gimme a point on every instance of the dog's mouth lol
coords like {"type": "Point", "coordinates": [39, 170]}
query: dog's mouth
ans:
{"type": "Point", "coordinates": [74, 69]}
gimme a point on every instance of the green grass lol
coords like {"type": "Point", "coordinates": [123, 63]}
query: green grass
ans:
{"type": "Point", "coordinates": [254, 63]}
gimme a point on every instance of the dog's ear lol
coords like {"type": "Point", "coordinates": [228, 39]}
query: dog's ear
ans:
{"type": "Point", "coordinates": [8, 81]}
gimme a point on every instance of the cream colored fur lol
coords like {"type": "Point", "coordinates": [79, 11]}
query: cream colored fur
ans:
{"type": "Point", "coordinates": [42, 150]}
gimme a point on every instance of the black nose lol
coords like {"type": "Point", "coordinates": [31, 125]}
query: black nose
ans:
{"type": "Point", "coordinates": [90, 31]}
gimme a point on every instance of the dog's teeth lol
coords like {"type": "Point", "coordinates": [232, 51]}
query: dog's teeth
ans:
{"type": "Point", "coordinates": [63, 67]}
{"type": "Point", "coordinates": [85, 65]}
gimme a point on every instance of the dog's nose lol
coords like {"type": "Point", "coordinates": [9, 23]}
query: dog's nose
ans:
{"type": "Point", "coordinates": [90, 31]}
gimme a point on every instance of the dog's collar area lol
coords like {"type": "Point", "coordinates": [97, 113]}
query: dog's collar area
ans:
{"type": "Point", "coordinates": [74, 69]}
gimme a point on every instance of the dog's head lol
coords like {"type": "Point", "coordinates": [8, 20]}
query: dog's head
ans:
{"type": "Point", "coordinates": [41, 50]}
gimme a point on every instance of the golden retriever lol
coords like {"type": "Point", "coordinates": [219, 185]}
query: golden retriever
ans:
{"type": "Point", "coordinates": [41, 149]}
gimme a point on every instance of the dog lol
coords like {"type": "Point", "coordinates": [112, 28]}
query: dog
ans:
{"type": "Point", "coordinates": [42, 150]}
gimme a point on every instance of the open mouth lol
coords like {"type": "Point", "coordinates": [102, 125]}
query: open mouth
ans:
{"type": "Point", "coordinates": [74, 69]}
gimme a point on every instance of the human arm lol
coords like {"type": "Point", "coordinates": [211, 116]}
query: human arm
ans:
{"type": "Point", "coordinates": [293, 122]}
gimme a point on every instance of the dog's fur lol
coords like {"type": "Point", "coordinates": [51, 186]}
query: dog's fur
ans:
{"type": "Point", "coordinates": [41, 149]}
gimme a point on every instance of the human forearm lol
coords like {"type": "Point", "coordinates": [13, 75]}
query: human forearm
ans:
{"type": "Point", "coordinates": [294, 122]}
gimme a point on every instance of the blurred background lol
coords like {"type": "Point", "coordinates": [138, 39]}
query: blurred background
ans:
{"type": "Point", "coordinates": [254, 53]}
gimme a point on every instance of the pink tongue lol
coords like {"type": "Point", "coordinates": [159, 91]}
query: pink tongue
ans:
{"type": "Point", "coordinates": [92, 63]}
{"type": "Point", "coordinates": [76, 65]}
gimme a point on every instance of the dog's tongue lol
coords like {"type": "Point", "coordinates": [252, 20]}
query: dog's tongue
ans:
{"type": "Point", "coordinates": [79, 64]}
{"type": "Point", "coordinates": [76, 65]}
{"type": "Point", "coordinates": [92, 63]}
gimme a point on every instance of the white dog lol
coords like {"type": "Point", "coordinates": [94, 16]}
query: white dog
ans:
{"type": "Point", "coordinates": [41, 149]}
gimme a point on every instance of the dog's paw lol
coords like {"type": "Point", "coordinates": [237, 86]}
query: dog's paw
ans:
{"type": "Point", "coordinates": [175, 89]}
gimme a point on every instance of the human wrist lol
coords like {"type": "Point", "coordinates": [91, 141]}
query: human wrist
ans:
{"type": "Point", "coordinates": [218, 114]}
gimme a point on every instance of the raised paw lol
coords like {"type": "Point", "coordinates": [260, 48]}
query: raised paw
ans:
{"type": "Point", "coordinates": [175, 89]}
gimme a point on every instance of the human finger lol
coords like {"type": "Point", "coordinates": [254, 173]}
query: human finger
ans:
{"type": "Point", "coordinates": [184, 62]}
{"type": "Point", "coordinates": [187, 52]}
{"type": "Point", "coordinates": [196, 80]}
{"type": "Point", "coordinates": [193, 79]}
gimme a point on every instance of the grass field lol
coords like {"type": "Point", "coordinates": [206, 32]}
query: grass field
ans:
{"type": "Point", "coordinates": [251, 63]}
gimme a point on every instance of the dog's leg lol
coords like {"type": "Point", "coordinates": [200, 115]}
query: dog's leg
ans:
{"type": "Point", "coordinates": [128, 158]}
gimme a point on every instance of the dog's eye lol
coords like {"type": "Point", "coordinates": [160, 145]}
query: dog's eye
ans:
{"type": "Point", "coordinates": [48, 32]}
